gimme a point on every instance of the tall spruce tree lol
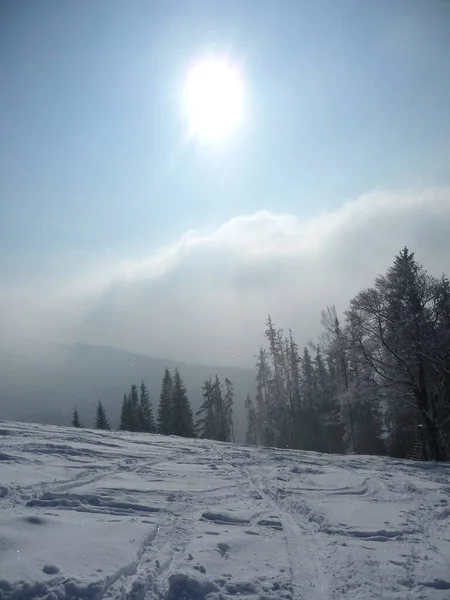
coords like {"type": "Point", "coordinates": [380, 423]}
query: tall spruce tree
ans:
{"type": "Point", "coordinates": [252, 422]}
{"type": "Point", "coordinates": [101, 420]}
{"type": "Point", "coordinates": [264, 399]}
{"type": "Point", "coordinates": [308, 379]}
{"type": "Point", "coordinates": [133, 399]}
{"type": "Point", "coordinates": [297, 399]}
{"type": "Point", "coordinates": [207, 422]}
{"type": "Point", "coordinates": [165, 408]}
{"type": "Point", "coordinates": [182, 423]}
{"type": "Point", "coordinates": [125, 415]}
{"type": "Point", "coordinates": [228, 406]}
{"type": "Point", "coordinates": [76, 418]}
{"type": "Point", "coordinates": [219, 410]}
{"type": "Point", "coordinates": [216, 413]}
{"type": "Point", "coordinates": [277, 384]}
{"type": "Point", "coordinates": [146, 418]}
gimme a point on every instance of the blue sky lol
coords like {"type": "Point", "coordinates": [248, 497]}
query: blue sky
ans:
{"type": "Point", "coordinates": [343, 98]}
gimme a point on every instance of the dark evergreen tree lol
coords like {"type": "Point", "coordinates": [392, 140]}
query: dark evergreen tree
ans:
{"type": "Point", "coordinates": [278, 409]}
{"type": "Point", "coordinates": [228, 405]}
{"type": "Point", "coordinates": [133, 407]}
{"type": "Point", "coordinates": [309, 426]}
{"type": "Point", "coordinates": [125, 415]}
{"type": "Point", "coordinates": [146, 418]}
{"type": "Point", "coordinates": [219, 408]}
{"type": "Point", "coordinates": [308, 379]}
{"type": "Point", "coordinates": [207, 422]}
{"type": "Point", "coordinates": [296, 391]}
{"type": "Point", "coordinates": [252, 422]}
{"type": "Point", "coordinates": [165, 408]}
{"type": "Point", "coordinates": [264, 400]}
{"type": "Point", "coordinates": [101, 420]}
{"type": "Point", "coordinates": [182, 421]}
{"type": "Point", "coordinates": [216, 413]}
{"type": "Point", "coordinates": [76, 418]}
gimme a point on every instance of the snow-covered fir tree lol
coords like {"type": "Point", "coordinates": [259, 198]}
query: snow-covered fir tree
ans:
{"type": "Point", "coordinates": [101, 420]}
{"type": "Point", "coordinates": [251, 436]}
{"type": "Point", "coordinates": [182, 418]}
{"type": "Point", "coordinates": [216, 413]}
{"type": "Point", "coordinates": [228, 408]}
{"type": "Point", "coordinates": [76, 418]}
{"type": "Point", "coordinates": [264, 402]}
{"type": "Point", "coordinates": [146, 419]}
{"type": "Point", "coordinates": [133, 407]}
{"type": "Point", "coordinates": [125, 420]}
{"type": "Point", "coordinates": [165, 408]}
{"type": "Point", "coordinates": [207, 421]}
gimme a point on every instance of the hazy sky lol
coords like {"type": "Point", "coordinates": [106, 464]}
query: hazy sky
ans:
{"type": "Point", "coordinates": [115, 228]}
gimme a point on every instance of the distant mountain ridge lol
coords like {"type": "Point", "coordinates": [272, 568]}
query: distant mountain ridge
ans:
{"type": "Point", "coordinates": [44, 387]}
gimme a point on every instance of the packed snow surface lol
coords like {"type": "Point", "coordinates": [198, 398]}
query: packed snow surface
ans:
{"type": "Point", "coordinates": [92, 514]}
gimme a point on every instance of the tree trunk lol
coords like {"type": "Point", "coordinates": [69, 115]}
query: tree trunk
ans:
{"type": "Point", "coordinates": [432, 444]}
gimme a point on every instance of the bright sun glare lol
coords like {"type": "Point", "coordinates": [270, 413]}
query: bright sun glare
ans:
{"type": "Point", "coordinates": [213, 98]}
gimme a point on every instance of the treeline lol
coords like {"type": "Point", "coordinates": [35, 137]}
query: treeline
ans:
{"type": "Point", "coordinates": [370, 381]}
{"type": "Point", "coordinates": [174, 413]}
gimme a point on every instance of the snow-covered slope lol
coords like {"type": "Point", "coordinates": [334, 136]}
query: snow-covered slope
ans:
{"type": "Point", "coordinates": [89, 514]}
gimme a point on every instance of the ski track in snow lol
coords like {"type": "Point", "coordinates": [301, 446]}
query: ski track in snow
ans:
{"type": "Point", "coordinates": [89, 514]}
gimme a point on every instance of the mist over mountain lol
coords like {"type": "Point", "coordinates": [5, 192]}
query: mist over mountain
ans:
{"type": "Point", "coordinates": [44, 384]}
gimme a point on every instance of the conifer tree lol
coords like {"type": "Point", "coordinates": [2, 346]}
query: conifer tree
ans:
{"type": "Point", "coordinates": [182, 423]}
{"type": "Point", "coordinates": [277, 385]}
{"type": "Point", "coordinates": [308, 379]}
{"type": "Point", "coordinates": [294, 370]}
{"type": "Point", "coordinates": [165, 409]}
{"type": "Point", "coordinates": [264, 399]}
{"type": "Point", "coordinates": [252, 422]}
{"type": "Point", "coordinates": [125, 417]}
{"type": "Point", "coordinates": [206, 424]}
{"type": "Point", "coordinates": [146, 419]}
{"type": "Point", "coordinates": [101, 420]}
{"type": "Point", "coordinates": [228, 404]}
{"type": "Point", "coordinates": [216, 412]}
{"type": "Point", "coordinates": [219, 409]}
{"type": "Point", "coordinates": [76, 418]}
{"type": "Point", "coordinates": [133, 407]}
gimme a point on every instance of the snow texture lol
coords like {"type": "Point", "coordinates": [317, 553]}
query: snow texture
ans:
{"type": "Point", "coordinates": [93, 514]}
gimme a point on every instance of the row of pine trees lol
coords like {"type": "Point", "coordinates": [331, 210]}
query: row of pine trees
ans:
{"type": "Point", "coordinates": [174, 415]}
{"type": "Point", "coordinates": [369, 382]}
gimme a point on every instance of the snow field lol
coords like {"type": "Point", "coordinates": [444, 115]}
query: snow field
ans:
{"type": "Point", "coordinates": [91, 514]}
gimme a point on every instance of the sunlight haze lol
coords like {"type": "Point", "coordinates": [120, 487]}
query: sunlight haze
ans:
{"type": "Point", "coordinates": [170, 173]}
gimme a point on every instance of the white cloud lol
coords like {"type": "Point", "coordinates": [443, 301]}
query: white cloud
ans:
{"type": "Point", "coordinates": [206, 297]}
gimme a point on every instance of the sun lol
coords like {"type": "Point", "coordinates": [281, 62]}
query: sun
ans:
{"type": "Point", "coordinates": [213, 98]}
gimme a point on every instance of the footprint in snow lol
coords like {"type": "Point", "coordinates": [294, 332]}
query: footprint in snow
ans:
{"type": "Point", "coordinates": [223, 549]}
{"type": "Point", "coordinates": [223, 519]}
{"type": "Point", "coordinates": [272, 523]}
{"type": "Point", "coordinates": [200, 568]}
{"type": "Point", "coordinates": [50, 569]}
